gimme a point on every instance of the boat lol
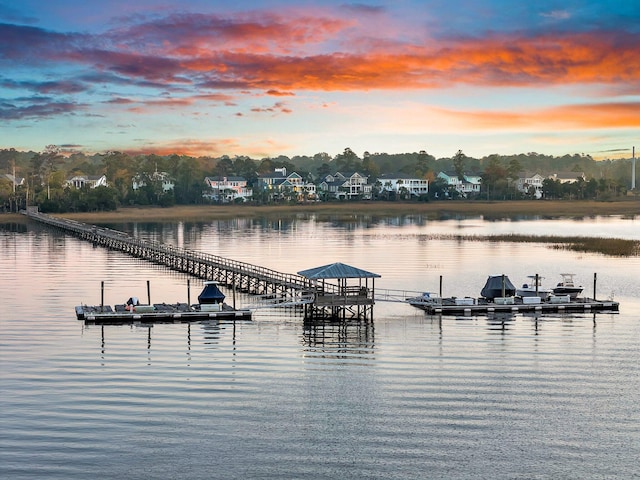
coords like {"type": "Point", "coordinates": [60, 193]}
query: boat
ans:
{"type": "Point", "coordinates": [498, 286]}
{"type": "Point", "coordinates": [210, 305]}
{"type": "Point", "coordinates": [427, 299]}
{"type": "Point", "coordinates": [498, 296]}
{"type": "Point", "coordinates": [533, 288]}
{"type": "Point", "coordinates": [568, 286]}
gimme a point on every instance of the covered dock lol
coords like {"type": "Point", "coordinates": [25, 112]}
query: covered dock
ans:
{"type": "Point", "coordinates": [354, 297]}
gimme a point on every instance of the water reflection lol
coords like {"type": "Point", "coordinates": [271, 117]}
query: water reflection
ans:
{"type": "Point", "coordinates": [339, 339]}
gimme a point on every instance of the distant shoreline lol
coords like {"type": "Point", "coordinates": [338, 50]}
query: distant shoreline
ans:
{"type": "Point", "coordinates": [346, 210]}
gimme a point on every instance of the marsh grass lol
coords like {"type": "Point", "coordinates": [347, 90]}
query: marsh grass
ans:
{"type": "Point", "coordinates": [352, 210]}
{"type": "Point", "coordinates": [616, 247]}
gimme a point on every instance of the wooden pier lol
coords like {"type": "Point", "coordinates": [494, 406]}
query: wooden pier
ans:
{"type": "Point", "coordinates": [244, 277]}
{"type": "Point", "coordinates": [279, 288]}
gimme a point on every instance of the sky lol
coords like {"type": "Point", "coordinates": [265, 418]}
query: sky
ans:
{"type": "Point", "coordinates": [269, 78]}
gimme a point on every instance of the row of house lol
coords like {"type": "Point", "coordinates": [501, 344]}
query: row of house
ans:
{"type": "Point", "coordinates": [344, 186]}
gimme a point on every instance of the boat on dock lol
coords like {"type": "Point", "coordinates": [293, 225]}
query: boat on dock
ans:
{"type": "Point", "coordinates": [210, 306]}
{"type": "Point", "coordinates": [533, 288]}
{"type": "Point", "coordinates": [568, 286]}
{"type": "Point", "coordinates": [499, 296]}
{"type": "Point", "coordinates": [498, 286]}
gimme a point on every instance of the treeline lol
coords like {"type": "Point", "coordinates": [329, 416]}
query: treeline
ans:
{"type": "Point", "coordinates": [46, 172]}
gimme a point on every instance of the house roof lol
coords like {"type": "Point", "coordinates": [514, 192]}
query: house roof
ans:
{"type": "Point", "coordinates": [230, 178]}
{"type": "Point", "coordinates": [336, 270]}
{"type": "Point", "coordinates": [398, 176]}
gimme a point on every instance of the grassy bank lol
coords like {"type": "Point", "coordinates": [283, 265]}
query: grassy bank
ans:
{"type": "Point", "coordinates": [431, 210]}
{"type": "Point", "coordinates": [616, 247]}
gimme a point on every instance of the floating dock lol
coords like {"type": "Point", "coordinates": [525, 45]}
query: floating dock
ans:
{"type": "Point", "coordinates": [158, 313]}
{"type": "Point", "coordinates": [470, 306]}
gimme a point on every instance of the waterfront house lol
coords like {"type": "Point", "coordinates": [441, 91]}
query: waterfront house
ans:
{"type": "Point", "coordinates": [91, 181]}
{"type": "Point", "coordinates": [346, 186]}
{"type": "Point", "coordinates": [530, 183]}
{"type": "Point", "coordinates": [161, 178]}
{"type": "Point", "coordinates": [15, 181]}
{"type": "Point", "coordinates": [227, 189]}
{"type": "Point", "coordinates": [568, 177]}
{"type": "Point", "coordinates": [281, 185]}
{"type": "Point", "coordinates": [400, 183]}
{"type": "Point", "coordinates": [466, 185]}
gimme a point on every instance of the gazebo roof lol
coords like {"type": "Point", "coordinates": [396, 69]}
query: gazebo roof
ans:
{"type": "Point", "coordinates": [336, 270]}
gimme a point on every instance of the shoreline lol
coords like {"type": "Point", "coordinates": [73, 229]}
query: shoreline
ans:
{"type": "Point", "coordinates": [431, 210]}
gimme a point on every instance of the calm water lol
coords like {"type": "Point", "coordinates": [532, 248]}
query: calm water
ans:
{"type": "Point", "coordinates": [409, 396]}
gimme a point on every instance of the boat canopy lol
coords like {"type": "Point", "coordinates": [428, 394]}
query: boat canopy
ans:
{"type": "Point", "coordinates": [210, 294]}
{"type": "Point", "coordinates": [493, 287]}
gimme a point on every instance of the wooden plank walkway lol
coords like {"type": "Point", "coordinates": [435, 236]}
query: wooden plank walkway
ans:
{"type": "Point", "coordinates": [242, 276]}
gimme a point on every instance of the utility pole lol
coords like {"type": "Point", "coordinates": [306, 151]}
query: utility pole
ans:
{"type": "Point", "coordinates": [633, 169]}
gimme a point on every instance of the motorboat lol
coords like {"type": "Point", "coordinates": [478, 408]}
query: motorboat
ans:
{"type": "Point", "coordinates": [427, 299]}
{"type": "Point", "coordinates": [568, 286]}
{"type": "Point", "coordinates": [533, 288]}
{"type": "Point", "coordinates": [498, 286]}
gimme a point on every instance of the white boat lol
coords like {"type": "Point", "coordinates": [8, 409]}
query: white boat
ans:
{"type": "Point", "coordinates": [425, 300]}
{"type": "Point", "coordinates": [533, 288]}
{"type": "Point", "coordinates": [568, 286]}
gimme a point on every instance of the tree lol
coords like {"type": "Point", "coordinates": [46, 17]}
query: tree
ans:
{"type": "Point", "coordinates": [494, 178]}
{"type": "Point", "coordinates": [224, 167]}
{"type": "Point", "coordinates": [514, 168]}
{"type": "Point", "coordinates": [324, 169]}
{"type": "Point", "coordinates": [423, 162]}
{"type": "Point", "coordinates": [369, 167]}
{"type": "Point", "coordinates": [458, 164]}
{"type": "Point", "coordinates": [347, 161]}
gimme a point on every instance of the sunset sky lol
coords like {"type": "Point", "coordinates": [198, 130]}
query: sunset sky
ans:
{"type": "Point", "coordinates": [268, 78]}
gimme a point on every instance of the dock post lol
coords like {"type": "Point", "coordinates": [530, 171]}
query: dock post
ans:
{"type": "Point", "coordinates": [440, 286]}
{"type": "Point", "coordinates": [234, 295]}
{"type": "Point", "coordinates": [595, 277]}
{"type": "Point", "coordinates": [537, 285]}
{"type": "Point", "coordinates": [189, 294]}
{"type": "Point", "coordinates": [148, 293]}
{"type": "Point", "coordinates": [102, 296]}
{"type": "Point", "coordinates": [503, 286]}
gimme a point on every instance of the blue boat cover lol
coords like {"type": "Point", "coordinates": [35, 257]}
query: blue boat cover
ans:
{"type": "Point", "coordinates": [493, 287]}
{"type": "Point", "coordinates": [210, 294]}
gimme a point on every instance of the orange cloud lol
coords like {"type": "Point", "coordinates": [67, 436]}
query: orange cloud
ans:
{"type": "Point", "coordinates": [213, 147]}
{"type": "Point", "coordinates": [567, 117]}
{"type": "Point", "coordinates": [495, 61]}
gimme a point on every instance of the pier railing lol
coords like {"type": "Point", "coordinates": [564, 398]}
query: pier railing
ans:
{"type": "Point", "coordinates": [243, 276]}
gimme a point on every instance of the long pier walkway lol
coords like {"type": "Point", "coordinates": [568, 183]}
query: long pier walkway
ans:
{"type": "Point", "coordinates": [242, 276]}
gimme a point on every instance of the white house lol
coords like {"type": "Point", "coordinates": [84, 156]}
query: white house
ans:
{"type": "Point", "coordinates": [567, 177]}
{"type": "Point", "coordinates": [167, 183]}
{"type": "Point", "coordinates": [394, 182]}
{"type": "Point", "coordinates": [227, 189]}
{"type": "Point", "coordinates": [467, 185]}
{"type": "Point", "coordinates": [15, 181]}
{"type": "Point", "coordinates": [525, 182]}
{"type": "Point", "coordinates": [91, 181]}
{"type": "Point", "coordinates": [346, 186]}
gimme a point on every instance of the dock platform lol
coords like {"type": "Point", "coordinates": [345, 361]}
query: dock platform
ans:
{"type": "Point", "coordinates": [157, 313]}
{"type": "Point", "coordinates": [449, 306]}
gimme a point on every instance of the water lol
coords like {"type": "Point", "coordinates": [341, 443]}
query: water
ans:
{"type": "Point", "coordinates": [409, 396]}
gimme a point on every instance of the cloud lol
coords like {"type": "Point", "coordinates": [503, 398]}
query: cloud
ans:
{"type": "Point", "coordinates": [566, 117]}
{"type": "Point", "coordinates": [48, 87]}
{"type": "Point", "coordinates": [182, 60]}
{"type": "Point", "coordinates": [556, 15]}
{"type": "Point", "coordinates": [14, 15]}
{"type": "Point", "coordinates": [214, 53]}
{"type": "Point", "coordinates": [38, 108]}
